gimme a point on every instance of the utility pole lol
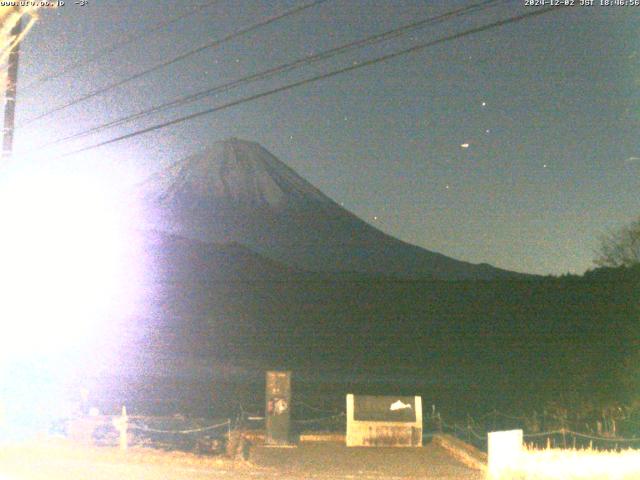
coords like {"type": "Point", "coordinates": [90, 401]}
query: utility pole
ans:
{"type": "Point", "coordinates": [10, 93]}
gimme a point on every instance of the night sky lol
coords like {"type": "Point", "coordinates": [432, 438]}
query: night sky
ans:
{"type": "Point", "coordinates": [517, 146]}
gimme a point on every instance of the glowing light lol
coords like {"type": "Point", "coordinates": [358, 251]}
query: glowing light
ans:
{"type": "Point", "coordinates": [62, 252]}
{"type": "Point", "coordinates": [464, 145]}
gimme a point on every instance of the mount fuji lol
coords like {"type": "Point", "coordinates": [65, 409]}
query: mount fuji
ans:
{"type": "Point", "coordinates": [236, 192]}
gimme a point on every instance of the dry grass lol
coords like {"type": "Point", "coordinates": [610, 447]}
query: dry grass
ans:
{"type": "Point", "coordinates": [588, 464]}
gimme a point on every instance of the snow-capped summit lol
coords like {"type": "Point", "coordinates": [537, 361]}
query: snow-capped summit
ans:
{"type": "Point", "coordinates": [236, 173]}
{"type": "Point", "coordinates": [236, 191]}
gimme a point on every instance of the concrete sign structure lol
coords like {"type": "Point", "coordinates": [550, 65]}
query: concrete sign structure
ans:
{"type": "Point", "coordinates": [377, 421]}
{"type": "Point", "coordinates": [504, 450]}
{"type": "Point", "coordinates": [278, 408]}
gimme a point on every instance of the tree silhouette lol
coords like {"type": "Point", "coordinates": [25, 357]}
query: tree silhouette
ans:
{"type": "Point", "coordinates": [620, 248]}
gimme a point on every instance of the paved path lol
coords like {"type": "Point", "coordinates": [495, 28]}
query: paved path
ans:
{"type": "Point", "coordinates": [319, 461]}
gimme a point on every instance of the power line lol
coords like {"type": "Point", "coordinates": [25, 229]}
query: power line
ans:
{"type": "Point", "coordinates": [115, 46]}
{"type": "Point", "coordinates": [334, 73]}
{"type": "Point", "coordinates": [307, 60]}
{"type": "Point", "coordinates": [178, 58]}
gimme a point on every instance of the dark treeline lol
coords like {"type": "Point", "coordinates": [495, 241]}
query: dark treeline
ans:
{"type": "Point", "coordinates": [467, 346]}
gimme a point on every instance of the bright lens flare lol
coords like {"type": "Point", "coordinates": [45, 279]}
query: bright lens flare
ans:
{"type": "Point", "coordinates": [62, 248]}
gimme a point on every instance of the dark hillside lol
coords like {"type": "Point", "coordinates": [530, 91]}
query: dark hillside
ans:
{"type": "Point", "coordinates": [465, 343]}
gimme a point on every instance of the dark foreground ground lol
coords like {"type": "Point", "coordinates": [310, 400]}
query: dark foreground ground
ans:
{"type": "Point", "coordinates": [60, 461]}
{"type": "Point", "coordinates": [332, 460]}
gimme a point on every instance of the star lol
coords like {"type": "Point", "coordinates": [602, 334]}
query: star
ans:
{"type": "Point", "coordinates": [484, 104]}
{"type": "Point", "coordinates": [464, 145]}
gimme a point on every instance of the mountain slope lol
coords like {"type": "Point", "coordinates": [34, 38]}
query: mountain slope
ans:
{"type": "Point", "coordinates": [236, 191]}
{"type": "Point", "coordinates": [175, 259]}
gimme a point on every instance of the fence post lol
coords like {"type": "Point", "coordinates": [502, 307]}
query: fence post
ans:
{"type": "Point", "coordinates": [121, 424]}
